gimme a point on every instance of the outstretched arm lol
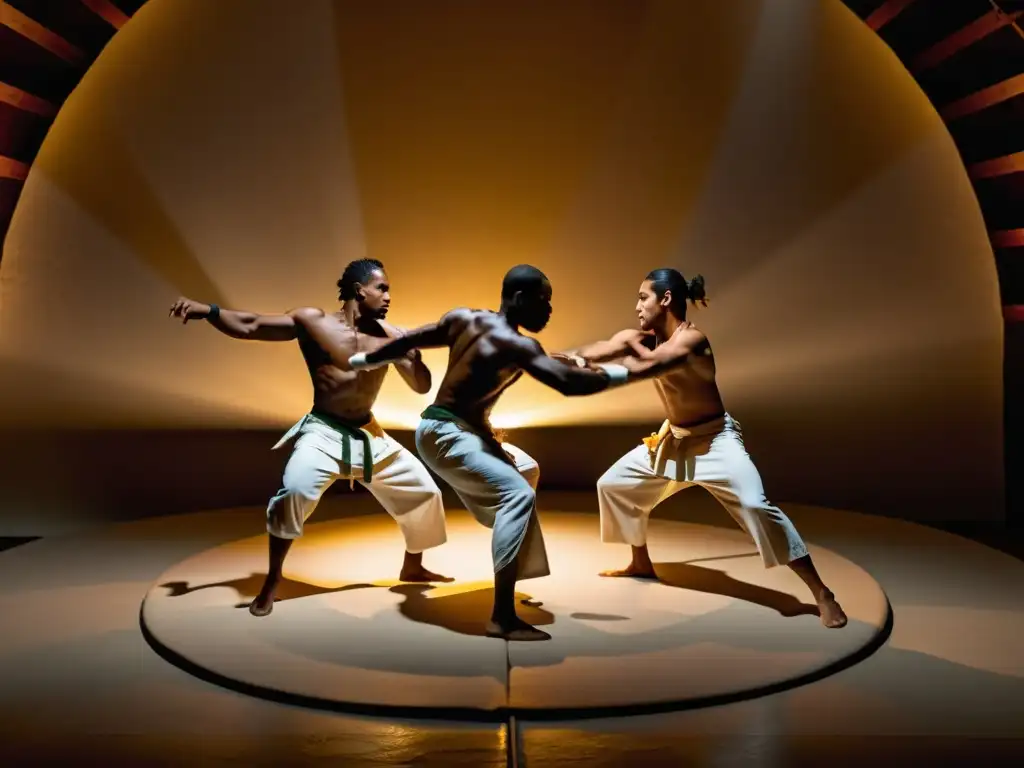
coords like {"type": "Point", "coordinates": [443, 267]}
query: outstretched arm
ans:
{"type": "Point", "coordinates": [424, 337]}
{"type": "Point", "coordinates": [410, 367]}
{"type": "Point", "coordinates": [567, 379]}
{"type": "Point", "coordinates": [620, 345]}
{"type": "Point", "coordinates": [238, 324]}
{"type": "Point", "coordinates": [649, 364]}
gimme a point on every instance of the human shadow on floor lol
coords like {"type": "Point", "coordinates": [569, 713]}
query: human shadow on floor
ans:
{"type": "Point", "coordinates": [716, 558]}
{"type": "Point", "coordinates": [248, 587]}
{"type": "Point", "coordinates": [685, 575]}
{"type": "Point", "coordinates": [465, 612]}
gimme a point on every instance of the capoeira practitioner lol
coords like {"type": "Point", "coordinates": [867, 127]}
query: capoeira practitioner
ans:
{"type": "Point", "coordinates": [496, 481]}
{"type": "Point", "coordinates": [339, 438]}
{"type": "Point", "coordinates": [698, 444]}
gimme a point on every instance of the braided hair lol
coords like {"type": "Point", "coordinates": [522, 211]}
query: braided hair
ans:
{"type": "Point", "coordinates": [357, 272]}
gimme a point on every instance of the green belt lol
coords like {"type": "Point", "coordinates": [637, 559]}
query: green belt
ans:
{"type": "Point", "coordinates": [440, 413]}
{"type": "Point", "coordinates": [349, 431]}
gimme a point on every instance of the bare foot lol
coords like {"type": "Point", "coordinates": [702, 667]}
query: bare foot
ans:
{"type": "Point", "coordinates": [420, 575]}
{"type": "Point", "coordinates": [832, 615]}
{"type": "Point", "coordinates": [517, 629]}
{"type": "Point", "coordinates": [262, 605]}
{"type": "Point", "coordinates": [634, 571]}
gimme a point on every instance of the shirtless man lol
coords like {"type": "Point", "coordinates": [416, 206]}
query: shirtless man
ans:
{"type": "Point", "coordinates": [339, 438]}
{"type": "Point", "coordinates": [699, 443]}
{"type": "Point", "coordinates": [496, 482]}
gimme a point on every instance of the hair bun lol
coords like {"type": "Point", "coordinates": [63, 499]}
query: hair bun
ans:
{"type": "Point", "coordinates": [695, 290]}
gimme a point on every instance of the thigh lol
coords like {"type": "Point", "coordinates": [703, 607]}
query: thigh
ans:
{"type": "Point", "coordinates": [309, 470]}
{"type": "Point", "coordinates": [526, 465]}
{"type": "Point", "coordinates": [634, 475]}
{"type": "Point", "coordinates": [728, 473]}
{"type": "Point", "coordinates": [468, 464]}
{"type": "Point", "coordinates": [400, 473]}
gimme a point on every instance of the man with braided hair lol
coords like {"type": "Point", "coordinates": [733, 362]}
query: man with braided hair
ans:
{"type": "Point", "coordinates": [339, 438]}
{"type": "Point", "coordinates": [698, 444]}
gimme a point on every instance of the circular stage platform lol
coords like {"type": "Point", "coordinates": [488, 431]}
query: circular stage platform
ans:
{"type": "Point", "coordinates": [346, 634]}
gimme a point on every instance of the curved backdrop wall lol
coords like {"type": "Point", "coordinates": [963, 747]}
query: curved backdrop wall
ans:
{"type": "Point", "coordinates": [244, 151]}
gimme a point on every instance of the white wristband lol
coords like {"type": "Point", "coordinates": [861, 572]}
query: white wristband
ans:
{"type": "Point", "coordinates": [358, 362]}
{"type": "Point", "coordinates": [617, 374]}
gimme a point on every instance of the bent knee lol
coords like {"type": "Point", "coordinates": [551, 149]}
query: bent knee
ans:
{"type": "Point", "coordinates": [522, 498]}
{"type": "Point", "coordinates": [297, 493]}
{"type": "Point", "coordinates": [304, 484]}
{"type": "Point", "coordinates": [421, 497]}
{"type": "Point", "coordinates": [611, 483]}
{"type": "Point", "coordinates": [286, 515]}
{"type": "Point", "coordinates": [757, 503]}
{"type": "Point", "coordinates": [530, 472]}
{"type": "Point", "coordinates": [423, 488]}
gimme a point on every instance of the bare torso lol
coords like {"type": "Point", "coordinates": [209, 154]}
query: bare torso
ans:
{"type": "Point", "coordinates": [346, 394]}
{"type": "Point", "coordinates": [480, 366]}
{"type": "Point", "coordinates": [689, 392]}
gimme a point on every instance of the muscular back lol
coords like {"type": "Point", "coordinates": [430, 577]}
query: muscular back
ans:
{"type": "Point", "coordinates": [481, 364]}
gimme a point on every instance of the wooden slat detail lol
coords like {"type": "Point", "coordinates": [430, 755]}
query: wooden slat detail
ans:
{"type": "Point", "coordinates": [885, 13]}
{"type": "Point", "coordinates": [977, 30]}
{"type": "Point", "coordinates": [32, 30]}
{"type": "Point", "coordinates": [986, 97]}
{"type": "Point", "coordinates": [12, 169]}
{"type": "Point", "coordinates": [107, 11]}
{"type": "Point", "coordinates": [26, 101]}
{"type": "Point", "coordinates": [997, 166]}
{"type": "Point", "coordinates": [1007, 238]}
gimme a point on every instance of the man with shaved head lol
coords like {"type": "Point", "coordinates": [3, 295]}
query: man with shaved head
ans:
{"type": "Point", "coordinates": [496, 481]}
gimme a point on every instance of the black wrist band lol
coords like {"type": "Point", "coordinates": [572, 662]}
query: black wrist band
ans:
{"type": "Point", "coordinates": [214, 312]}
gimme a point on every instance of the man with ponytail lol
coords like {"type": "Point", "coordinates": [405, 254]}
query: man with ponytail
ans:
{"type": "Point", "coordinates": [698, 444]}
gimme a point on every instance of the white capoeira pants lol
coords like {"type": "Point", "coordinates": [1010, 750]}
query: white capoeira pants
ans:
{"type": "Point", "coordinates": [399, 481]}
{"type": "Point", "coordinates": [499, 496]}
{"type": "Point", "coordinates": [711, 455]}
